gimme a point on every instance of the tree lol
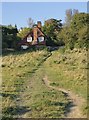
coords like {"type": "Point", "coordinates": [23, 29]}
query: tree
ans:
{"type": "Point", "coordinates": [23, 32]}
{"type": "Point", "coordinates": [79, 21]}
{"type": "Point", "coordinates": [30, 22]}
{"type": "Point", "coordinates": [69, 15]}
{"type": "Point", "coordinates": [76, 35]}
{"type": "Point", "coordinates": [9, 36]}
{"type": "Point", "coordinates": [75, 11]}
{"type": "Point", "coordinates": [51, 28]}
{"type": "Point", "coordinates": [83, 38]}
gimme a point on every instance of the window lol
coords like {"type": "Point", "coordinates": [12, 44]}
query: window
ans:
{"type": "Point", "coordinates": [41, 39]}
{"type": "Point", "coordinates": [29, 39]}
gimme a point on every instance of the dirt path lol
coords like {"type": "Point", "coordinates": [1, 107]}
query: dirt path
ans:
{"type": "Point", "coordinates": [74, 109]}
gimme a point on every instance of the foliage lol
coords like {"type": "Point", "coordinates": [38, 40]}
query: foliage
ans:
{"type": "Point", "coordinates": [83, 38]}
{"type": "Point", "coordinates": [23, 32]}
{"type": "Point", "coordinates": [79, 26]}
{"type": "Point", "coordinates": [51, 28]}
{"type": "Point", "coordinates": [79, 21]}
{"type": "Point", "coordinates": [73, 33]}
{"type": "Point", "coordinates": [76, 35]}
{"type": "Point", "coordinates": [9, 36]}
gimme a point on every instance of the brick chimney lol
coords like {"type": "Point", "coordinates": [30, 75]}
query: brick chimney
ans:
{"type": "Point", "coordinates": [39, 24]}
{"type": "Point", "coordinates": [35, 34]}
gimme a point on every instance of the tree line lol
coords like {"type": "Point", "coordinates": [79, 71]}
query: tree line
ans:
{"type": "Point", "coordinates": [72, 33]}
{"type": "Point", "coordinates": [9, 36]}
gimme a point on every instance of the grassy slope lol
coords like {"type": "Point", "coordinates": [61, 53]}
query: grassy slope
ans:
{"type": "Point", "coordinates": [24, 93]}
{"type": "Point", "coordinates": [69, 70]}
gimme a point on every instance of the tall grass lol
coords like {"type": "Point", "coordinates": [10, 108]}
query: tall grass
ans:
{"type": "Point", "coordinates": [23, 92]}
{"type": "Point", "coordinates": [68, 69]}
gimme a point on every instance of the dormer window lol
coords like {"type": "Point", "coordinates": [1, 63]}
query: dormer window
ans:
{"type": "Point", "coordinates": [41, 39]}
{"type": "Point", "coordinates": [29, 39]}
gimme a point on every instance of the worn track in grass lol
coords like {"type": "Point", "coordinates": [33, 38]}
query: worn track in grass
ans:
{"type": "Point", "coordinates": [74, 110]}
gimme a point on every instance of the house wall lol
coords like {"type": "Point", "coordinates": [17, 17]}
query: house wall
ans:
{"type": "Point", "coordinates": [37, 36]}
{"type": "Point", "coordinates": [24, 47]}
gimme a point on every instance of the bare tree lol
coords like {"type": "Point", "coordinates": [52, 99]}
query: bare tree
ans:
{"type": "Point", "coordinates": [68, 16]}
{"type": "Point", "coordinates": [30, 22]}
{"type": "Point", "coordinates": [75, 11]}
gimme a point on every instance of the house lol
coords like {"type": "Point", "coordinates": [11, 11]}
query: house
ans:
{"type": "Point", "coordinates": [34, 38]}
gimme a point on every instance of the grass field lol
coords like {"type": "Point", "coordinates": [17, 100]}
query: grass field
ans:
{"type": "Point", "coordinates": [24, 93]}
{"type": "Point", "coordinates": [69, 70]}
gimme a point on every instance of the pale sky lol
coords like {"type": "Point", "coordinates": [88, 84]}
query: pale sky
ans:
{"type": "Point", "coordinates": [19, 12]}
